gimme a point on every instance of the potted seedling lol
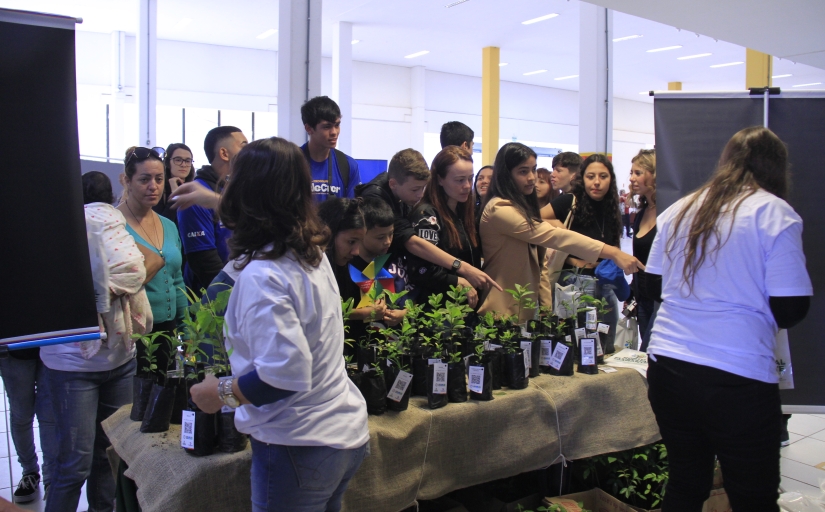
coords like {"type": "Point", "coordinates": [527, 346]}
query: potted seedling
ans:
{"type": "Point", "coordinates": [437, 377]}
{"type": "Point", "coordinates": [515, 375]}
{"type": "Point", "coordinates": [527, 342]}
{"type": "Point", "coordinates": [146, 377]}
{"type": "Point", "coordinates": [158, 413]}
{"type": "Point", "coordinates": [494, 352]}
{"type": "Point", "coordinates": [398, 373]}
{"type": "Point", "coordinates": [480, 373]}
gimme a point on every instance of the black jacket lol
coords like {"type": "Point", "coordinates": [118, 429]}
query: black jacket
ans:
{"type": "Point", "coordinates": [379, 188]}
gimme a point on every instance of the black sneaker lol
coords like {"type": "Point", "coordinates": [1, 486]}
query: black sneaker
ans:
{"type": "Point", "coordinates": [27, 488]}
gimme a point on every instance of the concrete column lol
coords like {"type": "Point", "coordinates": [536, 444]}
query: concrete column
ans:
{"type": "Point", "coordinates": [674, 86]}
{"type": "Point", "coordinates": [117, 145]}
{"type": "Point", "coordinates": [418, 96]}
{"type": "Point", "coordinates": [146, 41]}
{"type": "Point", "coordinates": [759, 69]}
{"type": "Point", "coordinates": [490, 93]}
{"type": "Point", "coordinates": [342, 80]}
{"type": "Point", "coordinates": [595, 79]}
{"type": "Point", "coordinates": [299, 63]}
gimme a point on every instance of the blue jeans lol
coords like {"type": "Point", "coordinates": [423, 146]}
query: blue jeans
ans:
{"type": "Point", "coordinates": [26, 383]}
{"type": "Point", "coordinates": [301, 478]}
{"type": "Point", "coordinates": [81, 401]}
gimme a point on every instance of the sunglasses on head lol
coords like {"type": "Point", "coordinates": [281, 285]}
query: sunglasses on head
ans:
{"type": "Point", "coordinates": [140, 154]}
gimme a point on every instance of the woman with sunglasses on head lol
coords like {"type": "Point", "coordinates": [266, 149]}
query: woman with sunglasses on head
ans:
{"type": "Point", "coordinates": [515, 238]}
{"type": "Point", "coordinates": [179, 168]}
{"type": "Point", "coordinates": [307, 420]}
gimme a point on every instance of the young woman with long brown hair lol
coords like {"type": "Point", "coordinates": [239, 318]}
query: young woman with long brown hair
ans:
{"type": "Point", "coordinates": [446, 218]}
{"type": "Point", "coordinates": [733, 272]}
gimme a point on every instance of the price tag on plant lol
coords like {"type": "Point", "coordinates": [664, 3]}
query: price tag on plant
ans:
{"type": "Point", "coordinates": [558, 356]}
{"type": "Point", "coordinates": [440, 378]}
{"type": "Point", "coordinates": [399, 387]}
{"type": "Point", "coordinates": [477, 379]}
{"type": "Point", "coordinates": [603, 328]}
{"type": "Point", "coordinates": [487, 346]}
{"type": "Point", "coordinates": [366, 368]}
{"type": "Point", "coordinates": [568, 339]}
{"type": "Point", "coordinates": [433, 361]}
{"type": "Point", "coordinates": [588, 346]}
{"type": "Point", "coordinates": [493, 346]}
{"type": "Point", "coordinates": [590, 319]}
{"type": "Point", "coordinates": [226, 408]}
{"type": "Point", "coordinates": [527, 347]}
{"type": "Point", "coordinates": [546, 352]}
{"type": "Point", "coordinates": [599, 349]}
{"type": "Point", "coordinates": [187, 430]}
{"type": "Point", "coordinates": [581, 332]}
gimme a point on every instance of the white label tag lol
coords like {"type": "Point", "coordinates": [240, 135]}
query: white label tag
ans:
{"type": "Point", "coordinates": [603, 328]}
{"type": "Point", "coordinates": [366, 368]}
{"type": "Point", "coordinates": [607, 369]}
{"type": "Point", "coordinates": [527, 347]}
{"type": "Point", "coordinates": [581, 332]}
{"type": "Point", "coordinates": [439, 378]}
{"type": "Point", "coordinates": [599, 349]}
{"type": "Point", "coordinates": [546, 352]}
{"type": "Point", "coordinates": [433, 361]}
{"type": "Point", "coordinates": [187, 430]}
{"type": "Point", "coordinates": [568, 339]}
{"type": "Point", "coordinates": [226, 408]}
{"type": "Point", "coordinates": [493, 346]}
{"type": "Point", "coordinates": [477, 379]}
{"type": "Point", "coordinates": [588, 351]}
{"type": "Point", "coordinates": [487, 346]}
{"type": "Point", "coordinates": [558, 356]}
{"type": "Point", "coordinates": [590, 319]}
{"type": "Point", "coordinates": [399, 387]}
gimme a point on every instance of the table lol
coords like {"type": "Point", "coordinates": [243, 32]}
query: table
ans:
{"type": "Point", "coordinates": [418, 453]}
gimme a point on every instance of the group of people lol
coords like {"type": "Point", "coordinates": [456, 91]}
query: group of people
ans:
{"type": "Point", "coordinates": [282, 224]}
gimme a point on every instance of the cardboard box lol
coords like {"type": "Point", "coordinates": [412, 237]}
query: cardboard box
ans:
{"type": "Point", "coordinates": [596, 500]}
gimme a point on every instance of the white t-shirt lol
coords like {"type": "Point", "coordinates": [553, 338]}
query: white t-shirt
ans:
{"type": "Point", "coordinates": [66, 357]}
{"type": "Point", "coordinates": [286, 322]}
{"type": "Point", "coordinates": [726, 323]}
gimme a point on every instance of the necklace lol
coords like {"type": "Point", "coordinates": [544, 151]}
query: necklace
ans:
{"type": "Point", "coordinates": [158, 247]}
{"type": "Point", "coordinates": [601, 229]}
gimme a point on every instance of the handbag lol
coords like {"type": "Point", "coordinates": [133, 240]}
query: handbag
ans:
{"type": "Point", "coordinates": [556, 259]}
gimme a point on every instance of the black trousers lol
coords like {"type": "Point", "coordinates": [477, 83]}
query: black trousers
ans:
{"type": "Point", "coordinates": [702, 412]}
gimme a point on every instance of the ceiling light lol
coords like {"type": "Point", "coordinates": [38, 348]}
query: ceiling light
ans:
{"type": "Point", "coordinates": [268, 33]}
{"type": "Point", "coordinates": [781, 76]}
{"type": "Point", "coordinates": [686, 57]}
{"type": "Point", "coordinates": [355, 41]}
{"type": "Point", "coordinates": [627, 38]}
{"type": "Point", "coordinates": [566, 77]}
{"type": "Point", "coordinates": [540, 18]}
{"type": "Point", "coordinates": [536, 72]}
{"type": "Point", "coordinates": [645, 92]}
{"type": "Point", "coordinates": [666, 48]}
{"type": "Point", "coordinates": [182, 24]}
{"type": "Point", "coordinates": [416, 54]}
{"type": "Point", "coordinates": [456, 3]}
{"type": "Point", "coordinates": [806, 85]}
{"type": "Point", "coordinates": [727, 64]}
{"type": "Point", "coordinates": [500, 64]}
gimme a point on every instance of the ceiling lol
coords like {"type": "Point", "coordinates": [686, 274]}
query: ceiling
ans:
{"type": "Point", "coordinates": [390, 29]}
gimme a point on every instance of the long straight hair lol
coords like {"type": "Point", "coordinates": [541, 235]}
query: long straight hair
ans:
{"type": "Point", "coordinates": [510, 156]}
{"type": "Point", "coordinates": [437, 197]}
{"type": "Point", "coordinates": [753, 158]}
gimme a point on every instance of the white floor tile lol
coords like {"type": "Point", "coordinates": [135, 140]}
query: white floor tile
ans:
{"type": "Point", "coordinates": [6, 494]}
{"type": "Point", "coordinates": [819, 435]}
{"type": "Point", "coordinates": [796, 437]}
{"type": "Point", "coordinates": [801, 472]}
{"type": "Point", "coordinates": [807, 451]}
{"type": "Point", "coordinates": [5, 473]}
{"type": "Point", "coordinates": [805, 424]}
{"type": "Point", "coordinates": [791, 485]}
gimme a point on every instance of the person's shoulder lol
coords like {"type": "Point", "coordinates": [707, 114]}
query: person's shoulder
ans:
{"type": "Point", "coordinates": [563, 201]}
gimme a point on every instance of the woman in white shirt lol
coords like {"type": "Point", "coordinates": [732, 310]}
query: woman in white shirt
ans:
{"type": "Point", "coordinates": [733, 272]}
{"type": "Point", "coordinates": [307, 420]}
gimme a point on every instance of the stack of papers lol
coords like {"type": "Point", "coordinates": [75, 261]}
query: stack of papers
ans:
{"type": "Point", "coordinates": [629, 358]}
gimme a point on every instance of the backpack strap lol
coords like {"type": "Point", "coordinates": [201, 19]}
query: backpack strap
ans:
{"type": "Point", "coordinates": [343, 169]}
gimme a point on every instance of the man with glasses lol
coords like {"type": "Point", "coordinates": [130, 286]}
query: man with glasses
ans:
{"type": "Point", "coordinates": [201, 231]}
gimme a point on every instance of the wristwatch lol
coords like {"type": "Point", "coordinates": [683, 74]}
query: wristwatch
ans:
{"type": "Point", "coordinates": [225, 392]}
{"type": "Point", "coordinates": [456, 264]}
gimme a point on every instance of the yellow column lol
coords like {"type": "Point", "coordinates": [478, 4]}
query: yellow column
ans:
{"type": "Point", "coordinates": [674, 86]}
{"type": "Point", "coordinates": [489, 104]}
{"type": "Point", "coordinates": [759, 68]}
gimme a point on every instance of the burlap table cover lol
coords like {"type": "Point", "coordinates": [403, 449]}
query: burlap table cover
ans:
{"type": "Point", "coordinates": [418, 453]}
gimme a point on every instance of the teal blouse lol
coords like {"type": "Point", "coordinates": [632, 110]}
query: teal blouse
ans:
{"type": "Point", "coordinates": [166, 290]}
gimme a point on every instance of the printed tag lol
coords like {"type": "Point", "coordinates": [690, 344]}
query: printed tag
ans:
{"type": "Point", "coordinates": [187, 430]}
{"type": "Point", "coordinates": [599, 349]}
{"type": "Point", "coordinates": [477, 379]}
{"type": "Point", "coordinates": [439, 378]}
{"type": "Point", "coordinates": [487, 346]}
{"type": "Point", "coordinates": [527, 347]}
{"type": "Point", "coordinates": [603, 328]}
{"type": "Point", "coordinates": [493, 346]}
{"type": "Point", "coordinates": [399, 387]}
{"type": "Point", "coordinates": [581, 332]}
{"type": "Point", "coordinates": [546, 352]}
{"type": "Point", "coordinates": [558, 356]}
{"type": "Point", "coordinates": [568, 339]}
{"type": "Point", "coordinates": [607, 369]}
{"type": "Point", "coordinates": [366, 368]}
{"type": "Point", "coordinates": [590, 319]}
{"type": "Point", "coordinates": [433, 361]}
{"type": "Point", "coordinates": [226, 408]}
{"type": "Point", "coordinates": [588, 346]}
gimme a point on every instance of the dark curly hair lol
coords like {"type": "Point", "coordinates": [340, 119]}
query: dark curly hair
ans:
{"type": "Point", "coordinates": [269, 202]}
{"type": "Point", "coordinates": [585, 206]}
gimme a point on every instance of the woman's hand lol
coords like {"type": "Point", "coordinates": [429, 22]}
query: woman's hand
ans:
{"type": "Point", "coordinates": [624, 261]}
{"type": "Point", "coordinates": [379, 309]}
{"type": "Point", "coordinates": [472, 294]}
{"type": "Point", "coordinates": [174, 183]}
{"type": "Point", "coordinates": [190, 194]}
{"type": "Point", "coordinates": [393, 317]}
{"type": "Point", "coordinates": [205, 395]}
{"type": "Point", "coordinates": [476, 278]}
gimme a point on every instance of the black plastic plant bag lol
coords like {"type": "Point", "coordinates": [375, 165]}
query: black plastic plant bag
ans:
{"type": "Point", "coordinates": [374, 390]}
{"type": "Point", "coordinates": [141, 389]}
{"type": "Point", "coordinates": [535, 357]}
{"type": "Point", "coordinates": [589, 369]}
{"type": "Point", "coordinates": [206, 428]}
{"type": "Point", "coordinates": [419, 381]}
{"type": "Point", "coordinates": [159, 408]}
{"type": "Point", "coordinates": [457, 382]}
{"type": "Point", "coordinates": [180, 400]}
{"type": "Point", "coordinates": [435, 401]}
{"type": "Point", "coordinates": [487, 380]}
{"type": "Point", "coordinates": [366, 356]}
{"type": "Point", "coordinates": [400, 405]}
{"type": "Point", "coordinates": [496, 359]}
{"type": "Point", "coordinates": [230, 440]}
{"type": "Point", "coordinates": [567, 367]}
{"type": "Point", "coordinates": [514, 375]}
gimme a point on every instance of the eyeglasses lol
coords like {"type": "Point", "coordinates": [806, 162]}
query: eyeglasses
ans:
{"type": "Point", "coordinates": [178, 160]}
{"type": "Point", "coordinates": [139, 154]}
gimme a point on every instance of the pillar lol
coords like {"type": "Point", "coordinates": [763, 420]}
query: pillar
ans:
{"type": "Point", "coordinates": [117, 66]}
{"type": "Point", "coordinates": [595, 79]}
{"type": "Point", "coordinates": [674, 86]}
{"type": "Point", "coordinates": [490, 93]}
{"type": "Point", "coordinates": [146, 41]}
{"type": "Point", "coordinates": [342, 80]}
{"type": "Point", "coordinates": [299, 63]}
{"type": "Point", "coordinates": [759, 68]}
{"type": "Point", "coordinates": [418, 123]}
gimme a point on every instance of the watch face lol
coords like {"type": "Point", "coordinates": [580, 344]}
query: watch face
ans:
{"type": "Point", "coordinates": [232, 401]}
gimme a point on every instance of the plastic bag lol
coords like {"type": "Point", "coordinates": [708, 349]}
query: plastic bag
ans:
{"type": "Point", "coordinates": [230, 440]}
{"type": "Point", "coordinates": [159, 408]}
{"type": "Point", "coordinates": [564, 300]}
{"type": "Point", "coordinates": [515, 377]}
{"type": "Point", "coordinates": [435, 400]}
{"type": "Point", "coordinates": [496, 359]}
{"type": "Point", "coordinates": [374, 390]}
{"type": "Point", "coordinates": [100, 266]}
{"type": "Point", "coordinates": [141, 389]}
{"type": "Point", "coordinates": [457, 382]}
{"type": "Point", "coordinates": [401, 405]}
{"type": "Point", "coordinates": [483, 381]}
